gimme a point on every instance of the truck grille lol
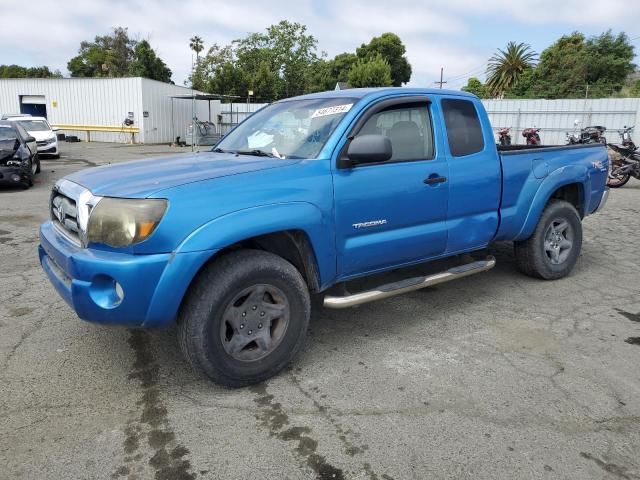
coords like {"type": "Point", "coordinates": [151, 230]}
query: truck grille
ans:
{"type": "Point", "coordinates": [64, 214]}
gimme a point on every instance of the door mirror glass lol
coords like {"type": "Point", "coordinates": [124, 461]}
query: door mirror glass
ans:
{"type": "Point", "coordinates": [370, 149]}
{"type": "Point", "coordinates": [29, 139]}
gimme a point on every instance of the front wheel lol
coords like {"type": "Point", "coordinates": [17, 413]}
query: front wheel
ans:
{"type": "Point", "coordinates": [244, 318]}
{"type": "Point", "coordinates": [616, 180]}
{"type": "Point", "coordinates": [553, 249]}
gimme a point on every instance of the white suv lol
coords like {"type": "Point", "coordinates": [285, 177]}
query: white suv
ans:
{"type": "Point", "coordinates": [45, 136]}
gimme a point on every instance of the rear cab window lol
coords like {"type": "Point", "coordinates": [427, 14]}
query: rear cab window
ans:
{"type": "Point", "coordinates": [464, 131]}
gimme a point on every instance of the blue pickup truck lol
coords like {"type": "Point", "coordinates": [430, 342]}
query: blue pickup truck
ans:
{"type": "Point", "coordinates": [296, 203]}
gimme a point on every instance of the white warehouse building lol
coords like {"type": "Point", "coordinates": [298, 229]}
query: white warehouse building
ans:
{"type": "Point", "coordinates": [95, 109]}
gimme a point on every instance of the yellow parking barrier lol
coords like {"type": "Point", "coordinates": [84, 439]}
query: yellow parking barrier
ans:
{"type": "Point", "coordinates": [98, 128]}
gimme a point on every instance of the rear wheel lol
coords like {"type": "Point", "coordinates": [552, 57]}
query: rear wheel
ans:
{"type": "Point", "coordinates": [553, 249]}
{"type": "Point", "coordinates": [244, 318]}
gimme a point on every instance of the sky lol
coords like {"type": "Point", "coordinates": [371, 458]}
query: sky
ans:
{"type": "Point", "coordinates": [458, 35]}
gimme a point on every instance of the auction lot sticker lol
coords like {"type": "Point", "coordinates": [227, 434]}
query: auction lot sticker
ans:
{"type": "Point", "coordinates": [323, 112]}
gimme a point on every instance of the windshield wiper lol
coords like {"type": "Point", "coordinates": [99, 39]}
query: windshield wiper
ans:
{"type": "Point", "coordinates": [256, 152]}
{"type": "Point", "coordinates": [219, 150]}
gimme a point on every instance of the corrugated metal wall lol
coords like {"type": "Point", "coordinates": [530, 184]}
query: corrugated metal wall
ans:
{"type": "Point", "coordinates": [556, 117]}
{"type": "Point", "coordinates": [83, 101]}
{"type": "Point", "coordinates": [170, 118]}
{"type": "Point", "coordinates": [107, 102]}
{"type": "Point", "coordinates": [234, 113]}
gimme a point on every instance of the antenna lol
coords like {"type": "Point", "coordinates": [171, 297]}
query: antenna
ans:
{"type": "Point", "coordinates": [441, 82]}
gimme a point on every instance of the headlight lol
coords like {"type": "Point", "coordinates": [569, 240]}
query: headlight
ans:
{"type": "Point", "coordinates": [120, 222]}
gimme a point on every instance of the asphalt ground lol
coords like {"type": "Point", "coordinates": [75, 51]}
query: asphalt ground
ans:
{"type": "Point", "coordinates": [494, 376]}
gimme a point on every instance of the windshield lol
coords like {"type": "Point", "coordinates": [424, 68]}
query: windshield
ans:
{"type": "Point", "coordinates": [34, 125]}
{"type": "Point", "coordinates": [7, 133]}
{"type": "Point", "coordinates": [291, 129]}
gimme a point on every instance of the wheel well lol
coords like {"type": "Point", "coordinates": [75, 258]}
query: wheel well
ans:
{"type": "Point", "coordinates": [292, 245]}
{"type": "Point", "coordinates": [572, 193]}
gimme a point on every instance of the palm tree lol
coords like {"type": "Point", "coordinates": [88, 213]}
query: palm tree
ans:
{"type": "Point", "coordinates": [197, 45]}
{"type": "Point", "coordinates": [506, 66]}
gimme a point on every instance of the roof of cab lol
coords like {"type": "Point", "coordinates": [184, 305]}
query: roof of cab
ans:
{"type": "Point", "coordinates": [363, 92]}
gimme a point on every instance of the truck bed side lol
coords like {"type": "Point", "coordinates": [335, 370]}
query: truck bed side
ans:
{"type": "Point", "coordinates": [531, 176]}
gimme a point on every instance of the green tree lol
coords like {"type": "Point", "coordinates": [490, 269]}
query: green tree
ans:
{"type": "Point", "coordinates": [506, 67]}
{"type": "Point", "coordinates": [375, 72]}
{"type": "Point", "coordinates": [635, 89]}
{"type": "Point", "coordinates": [220, 73]}
{"type": "Point", "coordinates": [116, 55]}
{"type": "Point", "coordinates": [287, 48]}
{"type": "Point", "coordinates": [575, 67]}
{"type": "Point", "coordinates": [390, 48]}
{"type": "Point", "coordinates": [265, 82]}
{"type": "Point", "coordinates": [197, 45]}
{"type": "Point", "coordinates": [319, 77]}
{"type": "Point", "coordinates": [17, 71]}
{"type": "Point", "coordinates": [147, 64]}
{"type": "Point", "coordinates": [324, 74]}
{"type": "Point", "coordinates": [476, 87]}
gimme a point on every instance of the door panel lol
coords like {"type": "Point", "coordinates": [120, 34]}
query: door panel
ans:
{"type": "Point", "coordinates": [386, 215]}
{"type": "Point", "coordinates": [475, 177]}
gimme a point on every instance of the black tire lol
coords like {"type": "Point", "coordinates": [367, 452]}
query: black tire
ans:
{"type": "Point", "coordinates": [617, 182]}
{"type": "Point", "coordinates": [212, 294]}
{"type": "Point", "coordinates": [38, 166]}
{"type": "Point", "coordinates": [28, 182]}
{"type": "Point", "coordinates": [532, 256]}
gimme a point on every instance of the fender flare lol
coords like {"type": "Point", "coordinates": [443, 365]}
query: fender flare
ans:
{"type": "Point", "coordinates": [240, 225]}
{"type": "Point", "coordinates": [557, 179]}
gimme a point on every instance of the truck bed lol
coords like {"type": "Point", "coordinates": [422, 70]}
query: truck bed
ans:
{"type": "Point", "coordinates": [526, 168]}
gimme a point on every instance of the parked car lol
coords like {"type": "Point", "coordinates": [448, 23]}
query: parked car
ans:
{"type": "Point", "coordinates": [297, 201]}
{"type": "Point", "coordinates": [19, 162]}
{"type": "Point", "coordinates": [45, 136]}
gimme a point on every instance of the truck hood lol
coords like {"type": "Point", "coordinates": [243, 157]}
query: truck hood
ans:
{"type": "Point", "coordinates": [142, 178]}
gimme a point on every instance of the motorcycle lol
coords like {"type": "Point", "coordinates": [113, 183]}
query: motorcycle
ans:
{"type": "Point", "coordinates": [504, 136]}
{"type": "Point", "coordinates": [592, 134]}
{"type": "Point", "coordinates": [623, 168]}
{"type": "Point", "coordinates": [532, 136]}
{"type": "Point", "coordinates": [625, 136]}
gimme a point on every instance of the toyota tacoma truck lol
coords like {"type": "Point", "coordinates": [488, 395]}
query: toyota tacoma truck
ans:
{"type": "Point", "coordinates": [296, 204]}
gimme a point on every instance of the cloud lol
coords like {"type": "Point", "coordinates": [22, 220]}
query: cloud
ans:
{"type": "Point", "coordinates": [437, 33]}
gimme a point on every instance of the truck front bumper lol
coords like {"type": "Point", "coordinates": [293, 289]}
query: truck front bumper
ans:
{"type": "Point", "coordinates": [118, 288]}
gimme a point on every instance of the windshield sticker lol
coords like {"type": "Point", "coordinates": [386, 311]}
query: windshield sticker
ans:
{"type": "Point", "coordinates": [323, 112]}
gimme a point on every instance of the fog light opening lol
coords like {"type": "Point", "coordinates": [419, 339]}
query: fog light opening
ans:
{"type": "Point", "coordinates": [15, 177]}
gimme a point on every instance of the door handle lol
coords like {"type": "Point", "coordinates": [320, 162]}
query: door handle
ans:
{"type": "Point", "coordinates": [435, 179]}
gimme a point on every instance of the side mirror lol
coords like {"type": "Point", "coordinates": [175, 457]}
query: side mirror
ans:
{"type": "Point", "coordinates": [29, 139]}
{"type": "Point", "coordinates": [369, 149]}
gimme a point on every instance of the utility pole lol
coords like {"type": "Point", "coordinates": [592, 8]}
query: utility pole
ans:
{"type": "Point", "coordinates": [441, 82]}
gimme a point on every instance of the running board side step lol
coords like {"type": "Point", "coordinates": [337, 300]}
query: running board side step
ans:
{"type": "Point", "coordinates": [410, 284]}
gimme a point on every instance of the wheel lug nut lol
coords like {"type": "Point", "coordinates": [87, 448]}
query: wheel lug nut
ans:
{"type": "Point", "coordinates": [241, 326]}
{"type": "Point", "coordinates": [250, 332]}
{"type": "Point", "coordinates": [259, 325]}
{"type": "Point", "coordinates": [244, 314]}
{"type": "Point", "coordinates": [254, 307]}
{"type": "Point", "coordinates": [262, 314]}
